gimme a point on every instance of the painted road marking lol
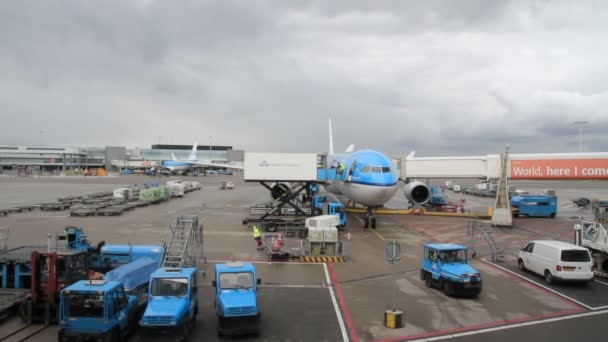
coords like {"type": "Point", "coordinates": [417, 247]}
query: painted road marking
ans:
{"type": "Point", "coordinates": [378, 235]}
{"type": "Point", "coordinates": [544, 287]}
{"type": "Point", "coordinates": [491, 326]}
{"type": "Point", "coordinates": [335, 303]}
{"type": "Point", "coordinates": [601, 282]}
{"type": "Point", "coordinates": [511, 326]}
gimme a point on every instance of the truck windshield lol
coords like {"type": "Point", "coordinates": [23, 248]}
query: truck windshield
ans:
{"type": "Point", "coordinates": [241, 280]}
{"type": "Point", "coordinates": [84, 305]}
{"type": "Point", "coordinates": [169, 287]}
{"type": "Point", "coordinates": [453, 256]}
{"type": "Point", "coordinates": [575, 256]}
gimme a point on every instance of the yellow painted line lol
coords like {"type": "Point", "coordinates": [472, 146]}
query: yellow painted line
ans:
{"type": "Point", "coordinates": [422, 212]}
{"type": "Point", "coordinates": [378, 234]}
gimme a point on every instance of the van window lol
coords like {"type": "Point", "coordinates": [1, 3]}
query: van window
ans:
{"type": "Point", "coordinates": [575, 256]}
{"type": "Point", "coordinates": [529, 247]}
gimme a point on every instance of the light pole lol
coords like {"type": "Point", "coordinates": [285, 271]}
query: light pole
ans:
{"type": "Point", "coordinates": [580, 134]}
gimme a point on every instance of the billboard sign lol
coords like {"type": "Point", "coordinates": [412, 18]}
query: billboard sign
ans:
{"type": "Point", "coordinates": [560, 169]}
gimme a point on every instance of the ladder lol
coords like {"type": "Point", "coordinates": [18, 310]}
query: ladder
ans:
{"type": "Point", "coordinates": [185, 244]}
{"type": "Point", "coordinates": [477, 229]}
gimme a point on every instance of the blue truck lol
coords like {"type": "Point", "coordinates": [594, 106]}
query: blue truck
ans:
{"type": "Point", "coordinates": [236, 299]}
{"type": "Point", "coordinates": [446, 266]}
{"type": "Point", "coordinates": [172, 302]}
{"type": "Point", "coordinates": [534, 206]}
{"type": "Point", "coordinates": [107, 309]}
{"type": "Point", "coordinates": [112, 256]}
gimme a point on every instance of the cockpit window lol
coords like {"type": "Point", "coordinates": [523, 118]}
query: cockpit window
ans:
{"type": "Point", "coordinates": [365, 169]}
{"type": "Point", "coordinates": [386, 169]}
{"type": "Point", "coordinates": [376, 169]}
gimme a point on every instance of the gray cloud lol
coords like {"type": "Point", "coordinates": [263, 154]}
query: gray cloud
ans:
{"type": "Point", "coordinates": [440, 77]}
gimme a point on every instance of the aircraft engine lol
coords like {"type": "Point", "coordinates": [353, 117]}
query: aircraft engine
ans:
{"type": "Point", "coordinates": [417, 192]}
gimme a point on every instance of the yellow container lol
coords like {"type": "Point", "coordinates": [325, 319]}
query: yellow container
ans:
{"type": "Point", "coordinates": [393, 319]}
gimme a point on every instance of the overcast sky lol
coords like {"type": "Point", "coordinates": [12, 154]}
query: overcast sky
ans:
{"type": "Point", "coordinates": [439, 77]}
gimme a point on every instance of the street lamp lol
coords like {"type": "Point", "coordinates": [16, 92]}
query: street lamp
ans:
{"type": "Point", "coordinates": [580, 134]}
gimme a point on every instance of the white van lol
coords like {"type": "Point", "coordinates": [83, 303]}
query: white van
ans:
{"type": "Point", "coordinates": [556, 260]}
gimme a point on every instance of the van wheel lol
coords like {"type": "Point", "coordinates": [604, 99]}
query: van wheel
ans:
{"type": "Point", "coordinates": [522, 266]}
{"type": "Point", "coordinates": [548, 277]}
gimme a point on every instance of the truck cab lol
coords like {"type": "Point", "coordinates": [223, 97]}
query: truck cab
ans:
{"type": "Point", "coordinates": [337, 208]}
{"type": "Point", "coordinates": [172, 302]}
{"type": "Point", "coordinates": [97, 310]}
{"type": "Point", "coordinates": [236, 301]}
{"type": "Point", "coordinates": [446, 266]}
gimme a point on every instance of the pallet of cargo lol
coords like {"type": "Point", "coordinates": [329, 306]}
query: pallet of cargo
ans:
{"type": "Point", "coordinates": [25, 207]}
{"type": "Point", "coordinates": [20, 255]}
{"type": "Point", "coordinates": [140, 204]}
{"type": "Point", "coordinates": [110, 211]}
{"type": "Point", "coordinates": [54, 206]}
{"type": "Point", "coordinates": [11, 298]}
{"type": "Point", "coordinates": [86, 210]}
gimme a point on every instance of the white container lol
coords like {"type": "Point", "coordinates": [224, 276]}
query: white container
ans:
{"type": "Point", "coordinates": [176, 189]}
{"type": "Point", "coordinates": [323, 221]}
{"type": "Point", "coordinates": [456, 188]}
{"type": "Point", "coordinates": [122, 193]}
{"type": "Point", "coordinates": [315, 234]}
{"type": "Point", "coordinates": [188, 186]}
{"type": "Point", "coordinates": [280, 166]}
{"type": "Point", "coordinates": [330, 234]}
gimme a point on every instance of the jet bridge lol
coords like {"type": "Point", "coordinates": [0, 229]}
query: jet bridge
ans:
{"type": "Point", "coordinates": [533, 166]}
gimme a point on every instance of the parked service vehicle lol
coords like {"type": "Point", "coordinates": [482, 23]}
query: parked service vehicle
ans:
{"type": "Point", "coordinates": [236, 301]}
{"type": "Point", "coordinates": [172, 302]}
{"type": "Point", "coordinates": [446, 266]}
{"type": "Point", "coordinates": [108, 309]}
{"type": "Point", "coordinates": [534, 206]}
{"type": "Point", "coordinates": [556, 261]}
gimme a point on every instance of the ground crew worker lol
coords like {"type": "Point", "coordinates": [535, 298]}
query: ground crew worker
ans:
{"type": "Point", "coordinates": [257, 237]}
{"type": "Point", "coordinates": [341, 167]}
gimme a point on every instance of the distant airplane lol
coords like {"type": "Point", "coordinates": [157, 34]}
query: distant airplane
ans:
{"type": "Point", "coordinates": [370, 179]}
{"type": "Point", "coordinates": [184, 166]}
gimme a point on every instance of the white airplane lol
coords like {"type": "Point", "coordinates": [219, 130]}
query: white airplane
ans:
{"type": "Point", "coordinates": [184, 166]}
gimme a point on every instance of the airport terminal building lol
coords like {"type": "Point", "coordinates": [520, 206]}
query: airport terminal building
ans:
{"type": "Point", "coordinates": [33, 159]}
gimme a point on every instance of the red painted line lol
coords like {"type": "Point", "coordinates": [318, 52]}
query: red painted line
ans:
{"type": "Point", "coordinates": [481, 326]}
{"type": "Point", "coordinates": [347, 317]}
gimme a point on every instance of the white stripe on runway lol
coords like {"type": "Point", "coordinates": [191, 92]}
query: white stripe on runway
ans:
{"type": "Point", "coordinates": [511, 326]}
{"type": "Point", "coordinates": [333, 299]}
{"type": "Point", "coordinates": [541, 285]}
